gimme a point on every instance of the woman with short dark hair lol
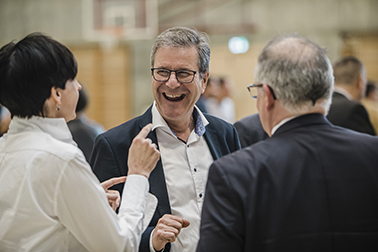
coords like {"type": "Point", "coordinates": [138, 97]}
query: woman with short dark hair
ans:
{"type": "Point", "coordinates": [49, 198]}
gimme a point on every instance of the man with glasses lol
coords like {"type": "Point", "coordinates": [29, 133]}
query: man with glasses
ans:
{"type": "Point", "coordinates": [188, 140]}
{"type": "Point", "coordinates": [311, 186]}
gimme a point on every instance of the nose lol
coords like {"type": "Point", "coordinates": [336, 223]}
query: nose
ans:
{"type": "Point", "coordinates": [173, 82]}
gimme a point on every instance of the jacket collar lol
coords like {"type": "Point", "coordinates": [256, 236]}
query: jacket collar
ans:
{"type": "Point", "coordinates": [303, 121]}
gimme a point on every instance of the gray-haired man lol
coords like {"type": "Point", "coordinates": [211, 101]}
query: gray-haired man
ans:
{"type": "Point", "coordinates": [311, 186]}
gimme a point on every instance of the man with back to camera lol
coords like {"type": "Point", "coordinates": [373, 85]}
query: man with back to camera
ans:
{"type": "Point", "coordinates": [188, 141]}
{"type": "Point", "coordinates": [350, 85]}
{"type": "Point", "coordinates": [311, 186]}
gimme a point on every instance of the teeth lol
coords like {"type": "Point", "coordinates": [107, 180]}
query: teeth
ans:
{"type": "Point", "coordinates": [172, 96]}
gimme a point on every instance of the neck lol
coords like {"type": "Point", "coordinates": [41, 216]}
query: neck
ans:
{"type": "Point", "coordinates": [182, 129]}
{"type": "Point", "coordinates": [280, 114]}
{"type": "Point", "coordinates": [349, 89]}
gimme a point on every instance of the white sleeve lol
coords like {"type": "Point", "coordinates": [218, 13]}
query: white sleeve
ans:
{"type": "Point", "coordinates": [82, 207]}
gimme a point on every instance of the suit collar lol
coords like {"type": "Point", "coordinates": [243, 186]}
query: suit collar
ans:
{"type": "Point", "coordinates": [212, 142]}
{"type": "Point", "coordinates": [303, 121]}
{"type": "Point", "coordinates": [157, 178]}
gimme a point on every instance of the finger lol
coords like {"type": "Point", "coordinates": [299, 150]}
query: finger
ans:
{"type": "Point", "coordinates": [113, 181]}
{"type": "Point", "coordinates": [166, 235]}
{"type": "Point", "coordinates": [112, 196]}
{"type": "Point", "coordinates": [185, 223]}
{"type": "Point", "coordinates": [144, 132]}
{"type": "Point", "coordinates": [114, 206]}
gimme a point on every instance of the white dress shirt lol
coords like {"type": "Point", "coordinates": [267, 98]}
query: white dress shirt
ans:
{"type": "Point", "coordinates": [51, 201]}
{"type": "Point", "coordinates": [185, 168]}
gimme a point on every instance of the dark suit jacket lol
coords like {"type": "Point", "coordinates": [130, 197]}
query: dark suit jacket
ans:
{"type": "Point", "coordinates": [110, 154]}
{"type": "Point", "coordinates": [349, 114]}
{"type": "Point", "coordinates": [311, 186]}
{"type": "Point", "coordinates": [250, 130]}
{"type": "Point", "coordinates": [84, 134]}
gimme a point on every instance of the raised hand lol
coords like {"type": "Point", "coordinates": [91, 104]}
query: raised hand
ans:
{"type": "Point", "coordinates": [113, 195]}
{"type": "Point", "coordinates": [143, 154]}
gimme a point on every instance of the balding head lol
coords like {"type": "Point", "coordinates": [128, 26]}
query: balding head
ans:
{"type": "Point", "coordinates": [298, 71]}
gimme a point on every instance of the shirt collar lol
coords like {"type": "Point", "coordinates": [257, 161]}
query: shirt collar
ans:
{"type": "Point", "coordinates": [200, 120]}
{"type": "Point", "coordinates": [275, 128]}
{"type": "Point", "coordinates": [56, 127]}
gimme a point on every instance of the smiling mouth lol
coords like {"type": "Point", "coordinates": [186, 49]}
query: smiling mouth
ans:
{"type": "Point", "coordinates": [173, 97]}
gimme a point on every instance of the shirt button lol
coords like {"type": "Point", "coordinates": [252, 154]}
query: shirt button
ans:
{"type": "Point", "coordinates": [200, 195]}
{"type": "Point", "coordinates": [195, 169]}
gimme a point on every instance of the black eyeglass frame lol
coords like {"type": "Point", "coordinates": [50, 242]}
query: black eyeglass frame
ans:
{"type": "Point", "coordinates": [260, 85]}
{"type": "Point", "coordinates": [170, 73]}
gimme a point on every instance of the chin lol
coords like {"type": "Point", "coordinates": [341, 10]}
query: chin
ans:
{"type": "Point", "coordinates": [70, 118]}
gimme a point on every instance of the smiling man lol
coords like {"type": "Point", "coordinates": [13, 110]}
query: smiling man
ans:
{"type": "Point", "coordinates": [188, 140]}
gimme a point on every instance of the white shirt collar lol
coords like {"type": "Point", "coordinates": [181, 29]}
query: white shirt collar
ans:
{"type": "Point", "coordinates": [275, 128]}
{"type": "Point", "coordinates": [158, 121]}
{"type": "Point", "coordinates": [56, 127]}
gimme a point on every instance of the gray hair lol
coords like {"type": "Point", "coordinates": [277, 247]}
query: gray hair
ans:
{"type": "Point", "coordinates": [298, 71]}
{"type": "Point", "coordinates": [185, 37]}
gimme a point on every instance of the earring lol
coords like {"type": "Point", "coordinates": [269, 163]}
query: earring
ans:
{"type": "Point", "coordinates": [57, 108]}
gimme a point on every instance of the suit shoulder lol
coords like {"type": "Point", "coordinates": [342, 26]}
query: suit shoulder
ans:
{"type": "Point", "coordinates": [127, 129]}
{"type": "Point", "coordinates": [248, 122]}
{"type": "Point", "coordinates": [213, 120]}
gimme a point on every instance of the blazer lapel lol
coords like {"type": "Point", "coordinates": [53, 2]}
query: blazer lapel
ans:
{"type": "Point", "coordinates": [158, 186]}
{"type": "Point", "coordinates": [212, 142]}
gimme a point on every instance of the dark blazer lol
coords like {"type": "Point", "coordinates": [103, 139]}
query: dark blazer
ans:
{"type": "Point", "coordinates": [349, 114]}
{"type": "Point", "coordinates": [84, 134]}
{"type": "Point", "coordinates": [110, 154]}
{"type": "Point", "coordinates": [311, 186]}
{"type": "Point", "coordinates": [250, 130]}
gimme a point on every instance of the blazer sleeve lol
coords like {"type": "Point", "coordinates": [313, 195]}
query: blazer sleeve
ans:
{"type": "Point", "coordinates": [103, 162]}
{"type": "Point", "coordinates": [221, 224]}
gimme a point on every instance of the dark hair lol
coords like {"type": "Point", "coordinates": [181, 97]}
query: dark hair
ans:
{"type": "Point", "coordinates": [28, 71]}
{"type": "Point", "coordinates": [370, 87]}
{"type": "Point", "coordinates": [347, 70]}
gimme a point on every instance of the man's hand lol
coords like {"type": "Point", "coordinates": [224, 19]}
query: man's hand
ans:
{"type": "Point", "coordinates": [113, 195]}
{"type": "Point", "coordinates": [143, 154]}
{"type": "Point", "coordinates": [167, 229]}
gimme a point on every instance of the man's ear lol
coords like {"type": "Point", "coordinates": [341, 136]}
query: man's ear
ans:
{"type": "Point", "coordinates": [269, 99]}
{"type": "Point", "coordinates": [204, 82]}
{"type": "Point", "coordinates": [360, 83]}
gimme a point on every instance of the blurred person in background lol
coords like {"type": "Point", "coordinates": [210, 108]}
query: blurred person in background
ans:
{"type": "Point", "coordinates": [208, 97]}
{"type": "Point", "coordinates": [350, 85]}
{"type": "Point", "coordinates": [50, 200]}
{"type": "Point", "coordinates": [188, 140]}
{"type": "Point", "coordinates": [371, 103]}
{"type": "Point", "coordinates": [84, 130]}
{"type": "Point", "coordinates": [220, 103]}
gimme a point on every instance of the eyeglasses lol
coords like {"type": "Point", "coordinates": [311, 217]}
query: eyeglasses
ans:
{"type": "Point", "coordinates": [182, 76]}
{"type": "Point", "coordinates": [253, 91]}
